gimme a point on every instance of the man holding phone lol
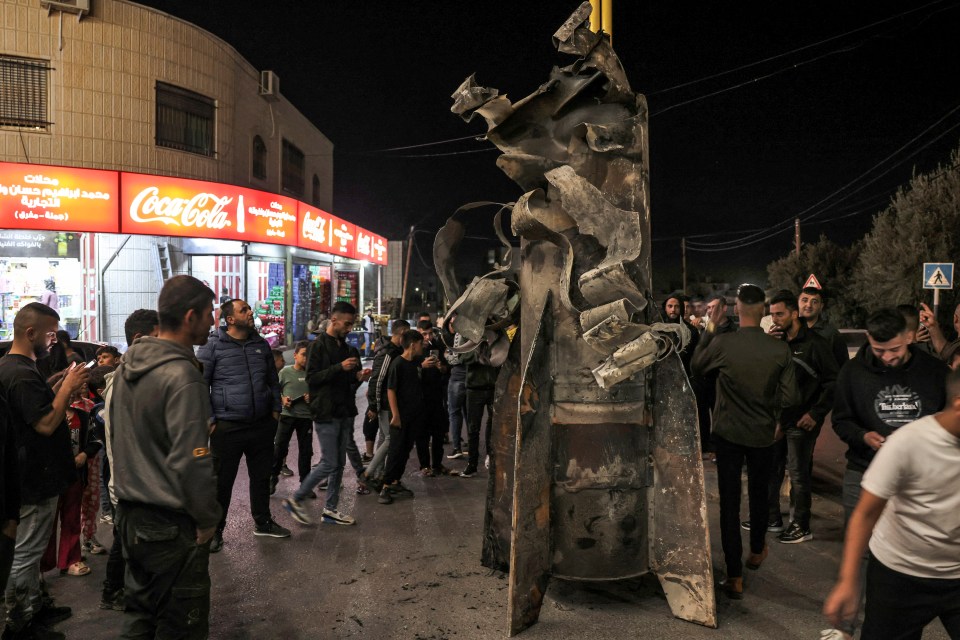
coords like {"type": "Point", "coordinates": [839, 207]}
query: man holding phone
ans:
{"type": "Point", "coordinates": [333, 376]}
{"type": "Point", "coordinates": [433, 378]}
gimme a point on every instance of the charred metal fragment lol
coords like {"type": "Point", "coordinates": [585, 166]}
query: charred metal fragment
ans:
{"type": "Point", "coordinates": [595, 471]}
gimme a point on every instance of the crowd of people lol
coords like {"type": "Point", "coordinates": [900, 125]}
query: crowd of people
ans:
{"type": "Point", "coordinates": [150, 443]}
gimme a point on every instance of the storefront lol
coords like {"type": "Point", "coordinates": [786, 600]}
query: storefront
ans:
{"type": "Point", "coordinates": [289, 260]}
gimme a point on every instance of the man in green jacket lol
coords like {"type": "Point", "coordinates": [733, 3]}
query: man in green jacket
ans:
{"type": "Point", "coordinates": [755, 380]}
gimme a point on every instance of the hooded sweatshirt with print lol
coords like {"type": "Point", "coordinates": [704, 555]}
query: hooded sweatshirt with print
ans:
{"type": "Point", "coordinates": [159, 416]}
{"type": "Point", "coordinates": [872, 397]}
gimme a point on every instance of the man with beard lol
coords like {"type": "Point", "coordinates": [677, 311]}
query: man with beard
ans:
{"type": "Point", "coordinates": [714, 320]}
{"type": "Point", "coordinates": [811, 305]}
{"type": "Point", "coordinates": [163, 476]}
{"type": "Point", "coordinates": [46, 465]}
{"type": "Point", "coordinates": [238, 365]}
{"type": "Point", "coordinates": [673, 308]}
{"type": "Point", "coordinates": [333, 375]}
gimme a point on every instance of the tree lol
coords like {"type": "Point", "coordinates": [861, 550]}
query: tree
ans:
{"type": "Point", "coordinates": [921, 224]}
{"type": "Point", "coordinates": [833, 265]}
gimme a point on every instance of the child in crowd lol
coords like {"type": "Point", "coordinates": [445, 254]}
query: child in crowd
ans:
{"type": "Point", "coordinates": [405, 396]}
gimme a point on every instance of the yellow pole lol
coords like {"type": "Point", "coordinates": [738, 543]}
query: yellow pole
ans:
{"type": "Point", "coordinates": [595, 15]}
{"type": "Point", "coordinates": [606, 18]}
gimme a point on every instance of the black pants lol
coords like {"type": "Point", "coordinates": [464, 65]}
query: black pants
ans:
{"type": "Point", "coordinates": [167, 584]}
{"type": "Point", "coordinates": [116, 567]}
{"type": "Point", "coordinates": [7, 545]}
{"type": "Point", "coordinates": [281, 444]}
{"type": "Point", "coordinates": [705, 390]}
{"type": "Point", "coordinates": [371, 426]}
{"type": "Point", "coordinates": [401, 443]}
{"type": "Point", "coordinates": [230, 442]}
{"type": "Point", "coordinates": [899, 606]}
{"type": "Point", "coordinates": [477, 401]}
{"type": "Point", "coordinates": [430, 438]}
{"type": "Point", "coordinates": [730, 459]}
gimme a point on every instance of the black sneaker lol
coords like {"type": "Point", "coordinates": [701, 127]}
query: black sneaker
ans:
{"type": "Point", "coordinates": [469, 472]}
{"type": "Point", "coordinates": [365, 458]}
{"type": "Point", "coordinates": [50, 615]}
{"type": "Point", "coordinates": [323, 484]}
{"type": "Point", "coordinates": [271, 529]}
{"type": "Point", "coordinates": [273, 484]}
{"type": "Point", "coordinates": [794, 534]}
{"type": "Point", "coordinates": [456, 454]}
{"type": "Point", "coordinates": [398, 490]}
{"type": "Point", "coordinates": [216, 543]}
{"type": "Point", "coordinates": [112, 600]}
{"type": "Point", "coordinates": [774, 527]}
{"type": "Point", "coordinates": [385, 497]}
{"type": "Point", "coordinates": [285, 471]}
{"type": "Point", "coordinates": [33, 631]}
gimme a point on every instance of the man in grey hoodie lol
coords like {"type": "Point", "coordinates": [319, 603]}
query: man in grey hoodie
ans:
{"type": "Point", "coordinates": [163, 478]}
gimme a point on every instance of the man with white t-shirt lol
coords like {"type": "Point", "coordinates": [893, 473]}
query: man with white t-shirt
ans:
{"type": "Point", "coordinates": [913, 575]}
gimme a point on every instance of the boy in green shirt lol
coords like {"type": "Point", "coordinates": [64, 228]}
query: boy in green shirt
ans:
{"type": "Point", "coordinates": [294, 417]}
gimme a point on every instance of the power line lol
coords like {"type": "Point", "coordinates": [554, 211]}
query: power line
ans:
{"type": "Point", "coordinates": [478, 137]}
{"type": "Point", "coordinates": [792, 51]}
{"type": "Point", "coordinates": [807, 211]}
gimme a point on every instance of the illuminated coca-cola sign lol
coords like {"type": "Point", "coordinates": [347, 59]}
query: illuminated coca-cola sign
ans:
{"type": "Point", "coordinates": [157, 205]}
{"type": "Point", "coordinates": [50, 198]}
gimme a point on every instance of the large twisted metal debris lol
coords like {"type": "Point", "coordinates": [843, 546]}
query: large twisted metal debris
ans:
{"type": "Point", "coordinates": [595, 472]}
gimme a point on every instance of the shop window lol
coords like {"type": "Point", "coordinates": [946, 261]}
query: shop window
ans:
{"type": "Point", "coordinates": [23, 92]}
{"type": "Point", "coordinates": [259, 158]}
{"type": "Point", "coordinates": [186, 121]}
{"type": "Point", "coordinates": [316, 190]}
{"type": "Point", "coordinates": [293, 169]}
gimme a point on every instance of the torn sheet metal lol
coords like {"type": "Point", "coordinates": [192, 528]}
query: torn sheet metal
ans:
{"type": "Point", "coordinates": [604, 442]}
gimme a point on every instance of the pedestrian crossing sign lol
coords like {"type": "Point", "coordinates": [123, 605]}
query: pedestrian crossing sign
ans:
{"type": "Point", "coordinates": [938, 275]}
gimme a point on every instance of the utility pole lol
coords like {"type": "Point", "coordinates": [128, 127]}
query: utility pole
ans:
{"type": "Point", "coordinates": [683, 255]}
{"type": "Point", "coordinates": [796, 235]}
{"type": "Point", "coordinates": [406, 274]}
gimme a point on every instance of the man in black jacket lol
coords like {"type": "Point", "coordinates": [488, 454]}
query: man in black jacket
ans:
{"type": "Point", "coordinates": [816, 373]}
{"type": "Point", "coordinates": [333, 373]}
{"type": "Point", "coordinates": [673, 308]}
{"type": "Point", "coordinates": [245, 404]}
{"type": "Point", "coordinates": [377, 397]}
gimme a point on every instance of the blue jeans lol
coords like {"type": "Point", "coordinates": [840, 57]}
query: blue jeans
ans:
{"type": "Point", "coordinates": [456, 410]}
{"type": "Point", "coordinates": [23, 587]}
{"type": "Point", "coordinates": [332, 437]}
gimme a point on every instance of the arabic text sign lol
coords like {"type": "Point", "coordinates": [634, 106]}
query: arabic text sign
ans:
{"type": "Point", "coordinates": [49, 198]}
{"type": "Point", "coordinates": [157, 205]}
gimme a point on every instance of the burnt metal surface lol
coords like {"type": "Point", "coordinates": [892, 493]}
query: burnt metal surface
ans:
{"type": "Point", "coordinates": [678, 525]}
{"type": "Point", "coordinates": [530, 539]}
{"type": "Point", "coordinates": [607, 478]}
{"type": "Point", "coordinates": [498, 519]}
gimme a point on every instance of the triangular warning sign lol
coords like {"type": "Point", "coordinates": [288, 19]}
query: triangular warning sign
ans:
{"type": "Point", "coordinates": [937, 278]}
{"type": "Point", "coordinates": [812, 282]}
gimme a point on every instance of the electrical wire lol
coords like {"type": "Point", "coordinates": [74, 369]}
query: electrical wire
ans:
{"type": "Point", "coordinates": [476, 137]}
{"type": "Point", "coordinates": [797, 50]}
{"type": "Point", "coordinates": [807, 212]}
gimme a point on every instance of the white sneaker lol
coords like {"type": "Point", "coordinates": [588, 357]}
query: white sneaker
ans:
{"type": "Point", "coordinates": [486, 463]}
{"type": "Point", "coordinates": [335, 517]}
{"type": "Point", "coordinates": [834, 634]}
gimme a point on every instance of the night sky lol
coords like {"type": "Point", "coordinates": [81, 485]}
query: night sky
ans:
{"type": "Point", "coordinates": [379, 74]}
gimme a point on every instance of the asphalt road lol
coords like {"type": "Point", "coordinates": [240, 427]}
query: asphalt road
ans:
{"type": "Point", "coordinates": [411, 570]}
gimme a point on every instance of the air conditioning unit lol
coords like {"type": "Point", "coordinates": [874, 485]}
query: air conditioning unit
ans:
{"type": "Point", "coordinates": [269, 85]}
{"type": "Point", "coordinates": [79, 7]}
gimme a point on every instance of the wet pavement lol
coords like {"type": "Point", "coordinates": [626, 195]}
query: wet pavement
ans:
{"type": "Point", "coordinates": [411, 570]}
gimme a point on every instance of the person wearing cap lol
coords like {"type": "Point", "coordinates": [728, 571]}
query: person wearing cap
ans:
{"type": "Point", "coordinates": [755, 380]}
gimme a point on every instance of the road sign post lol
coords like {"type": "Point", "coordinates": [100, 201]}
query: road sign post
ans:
{"type": "Point", "coordinates": [937, 276]}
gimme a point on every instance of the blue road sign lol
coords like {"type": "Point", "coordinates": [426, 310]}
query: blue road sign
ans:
{"type": "Point", "coordinates": [938, 275]}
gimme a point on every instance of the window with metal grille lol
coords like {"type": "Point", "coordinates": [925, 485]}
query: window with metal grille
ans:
{"type": "Point", "coordinates": [258, 159]}
{"type": "Point", "coordinates": [293, 169]}
{"type": "Point", "coordinates": [23, 92]}
{"type": "Point", "coordinates": [185, 120]}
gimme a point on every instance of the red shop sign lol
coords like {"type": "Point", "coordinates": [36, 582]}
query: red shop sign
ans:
{"type": "Point", "coordinates": [46, 198]}
{"type": "Point", "coordinates": [321, 231]}
{"type": "Point", "coordinates": [162, 206]}
{"type": "Point", "coordinates": [371, 247]}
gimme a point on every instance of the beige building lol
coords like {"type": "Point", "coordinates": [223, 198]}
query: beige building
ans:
{"type": "Point", "coordinates": [126, 87]}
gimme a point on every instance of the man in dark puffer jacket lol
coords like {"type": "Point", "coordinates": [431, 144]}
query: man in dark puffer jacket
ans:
{"type": "Point", "coordinates": [245, 401]}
